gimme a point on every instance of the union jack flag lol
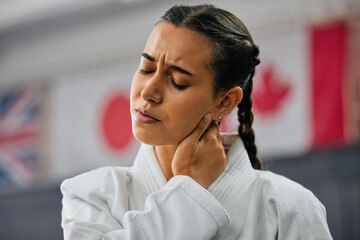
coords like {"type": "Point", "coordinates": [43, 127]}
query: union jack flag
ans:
{"type": "Point", "coordinates": [19, 133]}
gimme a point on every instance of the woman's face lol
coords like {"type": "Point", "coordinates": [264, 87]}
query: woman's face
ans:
{"type": "Point", "coordinates": [172, 89]}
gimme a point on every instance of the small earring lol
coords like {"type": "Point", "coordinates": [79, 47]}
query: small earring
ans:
{"type": "Point", "coordinates": [219, 120]}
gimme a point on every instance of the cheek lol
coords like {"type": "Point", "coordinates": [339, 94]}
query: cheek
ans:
{"type": "Point", "coordinates": [188, 111]}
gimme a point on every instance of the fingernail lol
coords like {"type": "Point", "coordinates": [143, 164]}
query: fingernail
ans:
{"type": "Point", "coordinates": [207, 117]}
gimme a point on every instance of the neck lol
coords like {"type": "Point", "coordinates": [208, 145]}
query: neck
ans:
{"type": "Point", "coordinates": [165, 155]}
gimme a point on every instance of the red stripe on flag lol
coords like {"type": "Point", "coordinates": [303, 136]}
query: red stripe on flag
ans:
{"type": "Point", "coordinates": [328, 75]}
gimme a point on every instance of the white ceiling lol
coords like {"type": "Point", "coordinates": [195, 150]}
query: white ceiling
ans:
{"type": "Point", "coordinates": [17, 12]}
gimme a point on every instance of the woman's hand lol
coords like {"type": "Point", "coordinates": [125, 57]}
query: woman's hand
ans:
{"type": "Point", "coordinates": [201, 154]}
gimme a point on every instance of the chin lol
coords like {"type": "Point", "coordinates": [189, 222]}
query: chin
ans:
{"type": "Point", "coordinates": [144, 136]}
{"type": "Point", "coordinates": [152, 138]}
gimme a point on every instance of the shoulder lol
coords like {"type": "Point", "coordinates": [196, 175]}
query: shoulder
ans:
{"type": "Point", "coordinates": [295, 206]}
{"type": "Point", "coordinates": [103, 181]}
{"type": "Point", "coordinates": [279, 184]}
{"type": "Point", "coordinates": [290, 200]}
{"type": "Point", "coordinates": [287, 193]}
{"type": "Point", "coordinates": [298, 211]}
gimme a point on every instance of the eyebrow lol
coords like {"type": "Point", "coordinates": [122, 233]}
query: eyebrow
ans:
{"type": "Point", "coordinates": [176, 68]}
{"type": "Point", "coordinates": [148, 57]}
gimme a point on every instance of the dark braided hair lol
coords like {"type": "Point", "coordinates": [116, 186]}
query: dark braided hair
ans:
{"type": "Point", "coordinates": [235, 57]}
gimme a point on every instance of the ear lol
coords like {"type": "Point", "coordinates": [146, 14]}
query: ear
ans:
{"type": "Point", "coordinates": [229, 101]}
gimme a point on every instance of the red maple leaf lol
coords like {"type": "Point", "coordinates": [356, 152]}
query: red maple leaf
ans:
{"type": "Point", "coordinates": [271, 92]}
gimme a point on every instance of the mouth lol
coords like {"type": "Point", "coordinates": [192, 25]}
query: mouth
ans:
{"type": "Point", "coordinates": [144, 116]}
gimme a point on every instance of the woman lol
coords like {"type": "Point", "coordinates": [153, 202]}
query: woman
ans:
{"type": "Point", "coordinates": [197, 66]}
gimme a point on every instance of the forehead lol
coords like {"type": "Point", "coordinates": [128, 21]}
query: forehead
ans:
{"type": "Point", "coordinates": [179, 44]}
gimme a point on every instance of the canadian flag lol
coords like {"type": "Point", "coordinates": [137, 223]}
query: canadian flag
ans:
{"type": "Point", "coordinates": [299, 88]}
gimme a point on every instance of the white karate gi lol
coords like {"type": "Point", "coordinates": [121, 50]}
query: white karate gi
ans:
{"type": "Point", "coordinates": [138, 203]}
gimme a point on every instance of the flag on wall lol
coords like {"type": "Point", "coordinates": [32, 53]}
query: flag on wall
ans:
{"type": "Point", "coordinates": [91, 122]}
{"type": "Point", "coordinates": [299, 87]}
{"type": "Point", "coordinates": [19, 133]}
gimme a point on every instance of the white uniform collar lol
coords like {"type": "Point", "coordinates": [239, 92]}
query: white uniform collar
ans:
{"type": "Point", "coordinates": [147, 170]}
{"type": "Point", "coordinates": [238, 170]}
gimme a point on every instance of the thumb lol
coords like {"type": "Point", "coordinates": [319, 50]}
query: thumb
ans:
{"type": "Point", "coordinates": [199, 130]}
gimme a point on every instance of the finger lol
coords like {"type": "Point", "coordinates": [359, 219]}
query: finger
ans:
{"type": "Point", "coordinates": [199, 130]}
{"type": "Point", "coordinates": [212, 133]}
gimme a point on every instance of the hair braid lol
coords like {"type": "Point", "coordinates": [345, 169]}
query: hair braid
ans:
{"type": "Point", "coordinates": [245, 114]}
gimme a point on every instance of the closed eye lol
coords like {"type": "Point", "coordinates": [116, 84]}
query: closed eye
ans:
{"type": "Point", "coordinates": [173, 83]}
{"type": "Point", "coordinates": [177, 86]}
{"type": "Point", "coordinates": [143, 72]}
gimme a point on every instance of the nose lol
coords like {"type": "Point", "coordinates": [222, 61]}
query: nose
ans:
{"type": "Point", "coordinates": [152, 90]}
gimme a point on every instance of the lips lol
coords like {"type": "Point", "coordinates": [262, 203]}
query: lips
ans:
{"type": "Point", "coordinates": [145, 116]}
